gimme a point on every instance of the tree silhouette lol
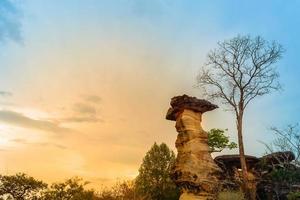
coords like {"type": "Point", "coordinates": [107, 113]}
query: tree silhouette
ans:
{"type": "Point", "coordinates": [71, 189]}
{"type": "Point", "coordinates": [20, 187]}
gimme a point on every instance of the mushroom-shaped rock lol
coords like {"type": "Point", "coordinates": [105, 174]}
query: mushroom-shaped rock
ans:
{"type": "Point", "coordinates": [228, 162]}
{"type": "Point", "coordinates": [179, 103]}
{"type": "Point", "coordinates": [195, 172]}
{"type": "Point", "coordinates": [231, 165]}
{"type": "Point", "coordinates": [278, 157]}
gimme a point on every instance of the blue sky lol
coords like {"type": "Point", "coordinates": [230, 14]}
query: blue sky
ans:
{"type": "Point", "coordinates": [106, 70]}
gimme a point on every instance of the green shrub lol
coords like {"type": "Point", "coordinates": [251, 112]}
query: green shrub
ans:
{"type": "Point", "coordinates": [293, 196]}
{"type": "Point", "coordinates": [285, 174]}
{"type": "Point", "coordinates": [232, 195]}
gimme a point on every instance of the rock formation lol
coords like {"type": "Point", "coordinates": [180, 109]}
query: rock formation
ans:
{"type": "Point", "coordinates": [232, 178]}
{"type": "Point", "coordinates": [195, 172]}
{"type": "Point", "coordinates": [260, 173]}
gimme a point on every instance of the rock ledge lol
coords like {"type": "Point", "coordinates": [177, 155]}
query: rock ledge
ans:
{"type": "Point", "coordinates": [179, 103]}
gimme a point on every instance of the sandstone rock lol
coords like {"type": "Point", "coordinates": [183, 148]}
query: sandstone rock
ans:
{"type": "Point", "coordinates": [180, 103]}
{"type": "Point", "coordinates": [228, 162]}
{"type": "Point", "coordinates": [259, 170]}
{"type": "Point", "coordinates": [278, 157]}
{"type": "Point", "coordinates": [195, 171]}
{"type": "Point", "coordinates": [231, 161]}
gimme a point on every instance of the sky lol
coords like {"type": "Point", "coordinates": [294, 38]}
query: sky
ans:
{"type": "Point", "coordinates": [85, 84]}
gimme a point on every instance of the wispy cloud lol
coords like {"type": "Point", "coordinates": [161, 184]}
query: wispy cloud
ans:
{"type": "Point", "coordinates": [25, 142]}
{"type": "Point", "coordinates": [20, 120]}
{"type": "Point", "coordinates": [86, 111]}
{"type": "Point", "coordinates": [93, 98]}
{"type": "Point", "coordinates": [10, 25]}
{"type": "Point", "coordinates": [5, 94]}
{"type": "Point", "coordinates": [82, 119]}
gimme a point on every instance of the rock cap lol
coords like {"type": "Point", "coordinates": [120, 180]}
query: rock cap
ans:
{"type": "Point", "coordinates": [179, 103]}
{"type": "Point", "coordinates": [234, 160]}
{"type": "Point", "coordinates": [278, 157]}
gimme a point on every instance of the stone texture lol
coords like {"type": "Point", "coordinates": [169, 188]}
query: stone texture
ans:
{"type": "Point", "coordinates": [228, 162]}
{"type": "Point", "coordinates": [195, 171]}
{"type": "Point", "coordinates": [278, 157]}
{"type": "Point", "coordinates": [232, 178]}
{"type": "Point", "coordinates": [259, 170]}
{"type": "Point", "coordinates": [179, 103]}
{"type": "Point", "coordinates": [233, 160]}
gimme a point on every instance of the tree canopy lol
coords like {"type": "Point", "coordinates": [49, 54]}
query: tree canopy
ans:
{"type": "Point", "coordinates": [71, 189]}
{"type": "Point", "coordinates": [218, 141]}
{"type": "Point", "coordinates": [154, 181]}
{"type": "Point", "coordinates": [20, 187]}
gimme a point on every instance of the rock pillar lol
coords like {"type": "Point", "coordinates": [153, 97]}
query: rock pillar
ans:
{"type": "Point", "coordinates": [195, 172]}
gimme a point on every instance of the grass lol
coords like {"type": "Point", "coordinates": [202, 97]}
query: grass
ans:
{"type": "Point", "coordinates": [231, 195]}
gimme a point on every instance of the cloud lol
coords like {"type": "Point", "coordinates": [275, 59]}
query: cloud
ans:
{"type": "Point", "coordinates": [19, 140]}
{"type": "Point", "coordinates": [93, 99]}
{"type": "Point", "coordinates": [10, 25]}
{"type": "Point", "coordinates": [82, 119]}
{"type": "Point", "coordinates": [18, 119]}
{"type": "Point", "coordinates": [85, 111]}
{"type": "Point", "coordinates": [23, 141]}
{"type": "Point", "coordinates": [5, 94]}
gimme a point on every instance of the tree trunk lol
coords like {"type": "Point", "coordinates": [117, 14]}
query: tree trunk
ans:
{"type": "Point", "coordinates": [246, 186]}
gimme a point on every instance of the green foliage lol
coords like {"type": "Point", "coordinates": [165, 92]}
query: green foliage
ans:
{"type": "Point", "coordinates": [232, 195]}
{"type": "Point", "coordinates": [20, 187]}
{"type": "Point", "coordinates": [71, 189]}
{"type": "Point", "coordinates": [218, 141]}
{"type": "Point", "coordinates": [293, 196]}
{"type": "Point", "coordinates": [154, 181]}
{"type": "Point", "coordinates": [120, 191]}
{"type": "Point", "coordinates": [285, 175]}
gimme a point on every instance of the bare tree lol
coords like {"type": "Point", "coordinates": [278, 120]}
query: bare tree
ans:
{"type": "Point", "coordinates": [287, 140]}
{"type": "Point", "coordinates": [281, 163]}
{"type": "Point", "coordinates": [237, 72]}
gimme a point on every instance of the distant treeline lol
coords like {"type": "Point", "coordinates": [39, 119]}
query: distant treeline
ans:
{"type": "Point", "coordinates": [153, 182]}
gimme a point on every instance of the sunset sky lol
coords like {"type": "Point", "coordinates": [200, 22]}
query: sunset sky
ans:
{"type": "Point", "coordinates": [85, 84]}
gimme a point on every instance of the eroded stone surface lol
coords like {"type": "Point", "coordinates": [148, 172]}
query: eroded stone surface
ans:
{"type": "Point", "coordinates": [233, 161]}
{"type": "Point", "coordinates": [279, 157]}
{"type": "Point", "coordinates": [259, 170]}
{"type": "Point", "coordinates": [180, 103]}
{"type": "Point", "coordinates": [195, 172]}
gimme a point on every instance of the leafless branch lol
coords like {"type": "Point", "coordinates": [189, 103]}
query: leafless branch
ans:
{"type": "Point", "coordinates": [240, 70]}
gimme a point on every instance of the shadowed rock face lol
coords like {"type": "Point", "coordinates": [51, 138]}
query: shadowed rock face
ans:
{"type": "Point", "coordinates": [259, 171]}
{"type": "Point", "coordinates": [279, 157]}
{"type": "Point", "coordinates": [195, 171]}
{"type": "Point", "coordinates": [230, 161]}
